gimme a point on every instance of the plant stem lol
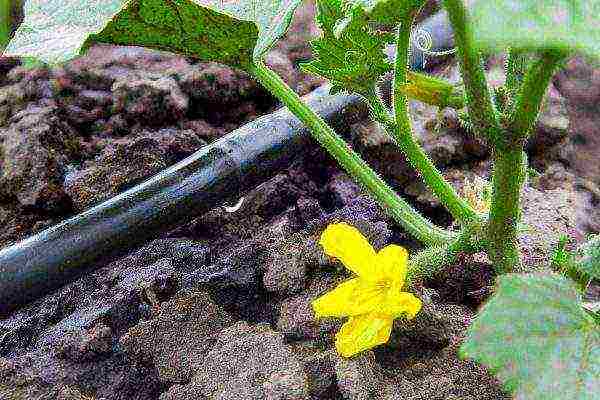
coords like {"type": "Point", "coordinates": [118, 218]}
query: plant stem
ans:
{"type": "Point", "coordinates": [479, 102]}
{"type": "Point", "coordinates": [505, 211]}
{"type": "Point", "coordinates": [514, 69]}
{"type": "Point", "coordinates": [581, 265]}
{"type": "Point", "coordinates": [399, 99]}
{"type": "Point", "coordinates": [399, 209]}
{"type": "Point", "coordinates": [534, 87]}
{"type": "Point", "coordinates": [420, 161]}
{"type": "Point", "coordinates": [510, 165]}
{"type": "Point", "coordinates": [401, 131]}
{"type": "Point", "coordinates": [429, 262]}
{"type": "Point", "coordinates": [5, 23]}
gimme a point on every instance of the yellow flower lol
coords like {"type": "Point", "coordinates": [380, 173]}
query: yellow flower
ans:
{"type": "Point", "coordinates": [374, 298]}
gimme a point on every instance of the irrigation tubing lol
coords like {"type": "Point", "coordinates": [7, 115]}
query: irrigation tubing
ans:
{"type": "Point", "coordinates": [217, 173]}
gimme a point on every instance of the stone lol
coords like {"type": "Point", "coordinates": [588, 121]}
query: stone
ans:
{"type": "Point", "coordinates": [546, 216]}
{"type": "Point", "coordinates": [86, 345]}
{"type": "Point", "coordinates": [579, 84]}
{"type": "Point", "coordinates": [203, 130]}
{"type": "Point", "coordinates": [285, 266]}
{"type": "Point", "coordinates": [297, 320]}
{"type": "Point", "coordinates": [320, 369]}
{"type": "Point", "coordinates": [284, 385]}
{"type": "Point", "coordinates": [12, 99]}
{"type": "Point", "coordinates": [152, 100]}
{"type": "Point", "coordinates": [119, 167]}
{"type": "Point", "coordinates": [308, 209]}
{"type": "Point", "coordinates": [343, 188]}
{"type": "Point", "coordinates": [247, 362]}
{"type": "Point", "coordinates": [216, 84]}
{"type": "Point", "coordinates": [35, 149]}
{"type": "Point", "coordinates": [358, 377]}
{"type": "Point", "coordinates": [90, 99]}
{"type": "Point", "coordinates": [175, 143]}
{"type": "Point", "coordinates": [177, 340]}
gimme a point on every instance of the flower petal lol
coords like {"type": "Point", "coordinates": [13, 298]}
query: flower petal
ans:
{"type": "Point", "coordinates": [347, 244]}
{"type": "Point", "coordinates": [353, 297]}
{"type": "Point", "coordinates": [363, 332]}
{"type": "Point", "coordinates": [402, 303]}
{"type": "Point", "coordinates": [391, 263]}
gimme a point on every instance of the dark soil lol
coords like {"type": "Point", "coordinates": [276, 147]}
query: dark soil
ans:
{"type": "Point", "coordinates": [219, 308]}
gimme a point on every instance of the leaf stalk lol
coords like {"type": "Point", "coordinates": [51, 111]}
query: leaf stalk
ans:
{"type": "Point", "coordinates": [530, 96]}
{"type": "Point", "coordinates": [399, 209]}
{"type": "Point", "coordinates": [401, 130]}
{"type": "Point", "coordinates": [479, 102]}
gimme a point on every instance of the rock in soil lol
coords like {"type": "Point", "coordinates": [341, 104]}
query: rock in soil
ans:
{"type": "Point", "coordinates": [176, 341]}
{"type": "Point", "coordinates": [246, 362]}
{"type": "Point", "coordinates": [359, 377]}
{"type": "Point", "coordinates": [153, 100]}
{"type": "Point", "coordinates": [579, 83]}
{"type": "Point", "coordinates": [35, 149]}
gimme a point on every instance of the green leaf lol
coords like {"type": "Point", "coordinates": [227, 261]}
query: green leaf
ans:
{"type": "Point", "coordinates": [388, 11]}
{"type": "Point", "coordinates": [53, 30]}
{"type": "Point", "coordinates": [536, 336]}
{"type": "Point", "coordinates": [236, 33]}
{"type": "Point", "coordinates": [348, 54]}
{"type": "Point", "coordinates": [10, 12]}
{"type": "Point", "coordinates": [537, 24]}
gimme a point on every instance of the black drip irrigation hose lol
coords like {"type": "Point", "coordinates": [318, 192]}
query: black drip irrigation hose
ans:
{"type": "Point", "coordinates": [217, 173]}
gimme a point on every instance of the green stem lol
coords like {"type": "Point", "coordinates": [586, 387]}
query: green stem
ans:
{"type": "Point", "coordinates": [505, 211]}
{"type": "Point", "coordinates": [420, 161]}
{"type": "Point", "coordinates": [515, 67]}
{"type": "Point", "coordinates": [479, 102]}
{"type": "Point", "coordinates": [401, 131]}
{"type": "Point", "coordinates": [534, 87]}
{"type": "Point", "coordinates": [5, 23]}
{"type": "Point", "coordinates": [581, 265]}
{"type": "Point", "coordinates": [400, 210]}
{"type": "Point", "coordinates": [400, 72]}
{"type": "Point", "coordinates": [510, 165]}
{"type": "Point", "coordinates": [431, 261]}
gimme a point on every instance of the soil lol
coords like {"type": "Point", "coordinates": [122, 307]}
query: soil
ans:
{"type": "Point", "coordinates": [219, 308]}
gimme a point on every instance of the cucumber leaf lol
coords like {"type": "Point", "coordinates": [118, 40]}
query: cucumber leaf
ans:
{"type": "Point", "coordinates": [236, 33]}
{"type": "Point", "coordinates": [535, 334]}
{"type": "Point", "coordinates": [53, 30]}
{"type": "Point", "coordinates": [538, 24]}
{"type": "Point", "coordinates": [388, 11]}
{"type": "Point", "coordinates": [351, 51]}
{"type": "Point", "coordinates": [349, 54]}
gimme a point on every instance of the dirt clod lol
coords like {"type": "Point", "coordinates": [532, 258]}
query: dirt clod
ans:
{"type": "Point", "coordinates": [219, 308]}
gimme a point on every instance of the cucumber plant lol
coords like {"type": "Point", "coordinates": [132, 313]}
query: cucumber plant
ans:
{"type": "Point", "coordinates": [535, 332]}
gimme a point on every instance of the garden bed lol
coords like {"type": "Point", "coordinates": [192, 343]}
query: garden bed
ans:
{"type": "Point", "coordinates": [219, 308]}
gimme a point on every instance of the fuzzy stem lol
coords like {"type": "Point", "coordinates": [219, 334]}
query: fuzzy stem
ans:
{"type": "Point", "coordinates": [420, 161]}
{"type": "Point", "coordinates": [431, 261]}
{"type": "Point", "coordinates": [400, 210]}
{"type": "Point", "coordinates": [534, 87]}
{"type": "Point", "coordinates": [514, 69]}
{"type": "Point", "coordinates": [479, 102]}
{"type": "Point", "coordinates": [400, 101]}
{"type": "Point", "coordinates": [505, 211]}
{"type": "Point", "coordinates": [510, 165]}
{"type": "Point", "coordinates": [401, 130]}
